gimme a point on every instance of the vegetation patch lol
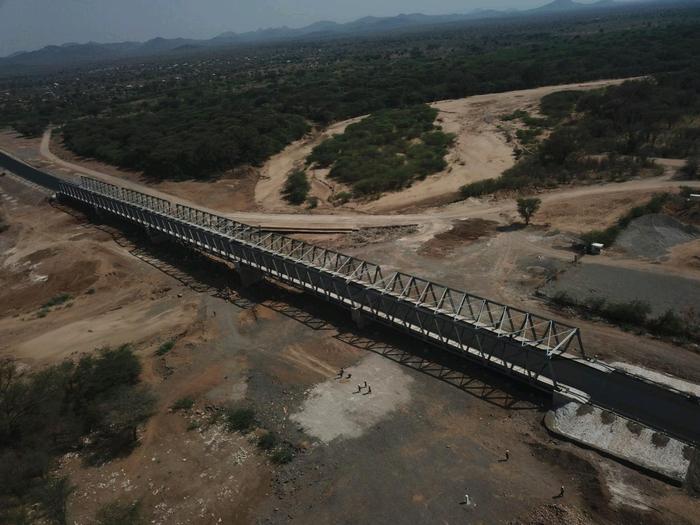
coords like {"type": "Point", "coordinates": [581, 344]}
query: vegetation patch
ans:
{"type": "Point", "coordinates": [283, 454]}
{"type": "Point", "coordinates": [165, 347]}
{"type": "Point", "coordinates": [608, 236]}
{"type": "Point", "coordinates": [93, 405]}
{"type": "Point", "coordinates": [296, 188]}
{"type": "Point", "coordinates": [200, 117]}
{"type": "Point", "coordinates": [57, 300]}
{"type": "Point", "coordinates": [267, 441]}
{"type": "Point", "coordinates": [607, 417]}
{"type": "Point", "coordinates": [635, 314]}
{"type": "Point", "coordinates": [659, 440]}
{"type": "Point", "coordinates": [607, 135]}
{"type": "Point", "coordinates": [184, 403]}
{"type": "Point", "coordinates": [239, 419]}
{"type": "Point", "coordinates": [120, 513]}
{"type": "Point", "coordinates": [634, 427]}
{"type": "Point", "coordinates": [386, 151]}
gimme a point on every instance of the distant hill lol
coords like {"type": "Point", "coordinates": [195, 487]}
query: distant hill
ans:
{"type": "Point", "coordinates": [570, 5]}
{"type": "Point", "coordinates": [81, 54]}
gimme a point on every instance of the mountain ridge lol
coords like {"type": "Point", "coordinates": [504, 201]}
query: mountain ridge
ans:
{"type": "Point", "coordinates": [73, 54]}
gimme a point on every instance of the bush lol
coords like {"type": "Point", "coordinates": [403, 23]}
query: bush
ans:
{"type": "Point", "coordinates": [563, 299]}
{"type": "Point", "coordinates": [296, 188]}
{"type": "Point", "coordinates": [386, 151]}
{"type": "Point", "coordinates": [184, 403]}
{"type": "Point", "coordinates": [239, 419]}
{"type": "Point", "coordinates": [633, 313]}
{"type": "Point", "coordinates": [52, 496]}
{"type": "Point", "coordinates": [57, 300]}
{"type": "Point", "coordinates": [165, 347]}
{"type": "Point", "coordinates": [47, 413]}
{"type": "Point", "coordinates": [482, 187]}
{"type": "Point", "coordinates": [282, 455]}
{"type": "Point", "coordinates": [267, 441]}
{"type": "Point", "coordinates": [691, 170]}
{"type": "Point", "coordinates": [118, 513]}
{"type": "Point", "coordinates": [608, 236]}
{"type": "Point", "coordinates": [341, 198]}
{"type": "Point", "coordinates": [560, 105]}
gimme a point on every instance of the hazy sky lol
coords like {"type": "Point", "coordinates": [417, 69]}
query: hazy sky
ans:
{"type": "Point", "coordinates": [30, 24]}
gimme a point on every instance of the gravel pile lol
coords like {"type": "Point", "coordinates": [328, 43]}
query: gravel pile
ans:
{"type": "Point", "coordinates": [651, 236]}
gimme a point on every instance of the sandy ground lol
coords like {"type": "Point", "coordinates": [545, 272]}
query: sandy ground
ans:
{"type": "Point", "coordinates": [569, 208]}
{"type": "Point", "coordinates": [273, 175]}
{"type": "Point", "coordinates": [41, 259]}
{"type": "Point", "coordinates": [481, 150]}
{"type": "Point", "coordinates": [432, 429]}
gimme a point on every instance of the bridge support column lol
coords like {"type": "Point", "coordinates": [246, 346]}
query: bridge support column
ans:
{"type": "Point", "coordinates": [358, 318]}
{"type": "Point", "coordinates": [249, 276]}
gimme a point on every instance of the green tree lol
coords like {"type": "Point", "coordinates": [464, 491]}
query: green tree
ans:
{"type": "Point", "coordinates": [527, 207]}
{"type": "Point", "coordinates": [53, 497]}
{"type": "Point", "coordinates": [296, 188]}
{"type": "Point", "coordinates": [691, 170]}
{"type": "Point", "coordinates": [122, 413]}
{"type": "Point", "coordinates": [118, 513]}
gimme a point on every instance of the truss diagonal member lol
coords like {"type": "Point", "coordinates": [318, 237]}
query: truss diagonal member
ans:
{"type": "Point", "coordinates": [564, 343]}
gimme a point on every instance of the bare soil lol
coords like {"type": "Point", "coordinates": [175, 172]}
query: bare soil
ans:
{"type": "Point", "coordinates": [484, 148]}
{"type": "Point", "coordinates": [433, 428]}
{"type": "Point", "coordinates": [462, 233]}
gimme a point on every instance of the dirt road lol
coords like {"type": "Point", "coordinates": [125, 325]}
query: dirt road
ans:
{"type": "Point", "coordinates": [499, 210]}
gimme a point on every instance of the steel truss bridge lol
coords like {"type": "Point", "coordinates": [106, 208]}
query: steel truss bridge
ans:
{"type": "Point", "coordinates": [517, 342]}
{"type": "Point", "coordinates": [545, 353]}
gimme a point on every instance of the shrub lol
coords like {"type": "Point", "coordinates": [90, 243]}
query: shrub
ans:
{"type": "Point", "coordinates": [267, 441]}
{"type": "Point", "coordinates": [691, 170]}
{"type": "Point", "coordinates": [341, 198]}
{"type": "Point", "coordinates": [282, 455]}
{"type": "Point", "coordinates": [57, 300]}
{"type": "Point", "coordinates": [633, 313]}
{"type": "Point", "coordinates": [563, 299]}
{"type": "Point", "coordinates": [482, 187]}
{"type": "Point", "coordinates": [296, 188]}
{"type": "Point", "coordinates": [560, 105]}
{"type": "Point", "coordinates": [184, 403]}
{"type": "Point", "coordinates": [52, 496]}
{"type": "Point", "coordinates": [239, 419]}
{"type": "Point", "coordinates": [165, 347]}
{"type": "Point", "coordinates": [118, 513]}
